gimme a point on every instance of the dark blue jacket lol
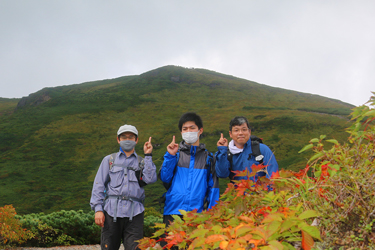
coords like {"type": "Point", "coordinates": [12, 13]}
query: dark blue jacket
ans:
{"type": "Point", "coordinates": [192, 183]}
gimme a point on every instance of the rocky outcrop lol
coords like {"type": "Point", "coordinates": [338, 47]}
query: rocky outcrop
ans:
{"type": "Point", "coordinates": [33, 100]}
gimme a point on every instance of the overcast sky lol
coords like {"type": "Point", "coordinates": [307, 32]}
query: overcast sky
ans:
{"type": "Point", "coordinates": [319, 47]}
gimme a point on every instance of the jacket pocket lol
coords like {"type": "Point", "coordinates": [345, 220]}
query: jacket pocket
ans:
{"type": "Point", "coordinates": [132, 176]}
{"type": "Point", "coordinates": [134, 189]}
{"type": "Point", "coordinates": [116, 174]}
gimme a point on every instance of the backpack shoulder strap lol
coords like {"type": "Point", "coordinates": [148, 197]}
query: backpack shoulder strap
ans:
{"type": "Point", "coordinates": [139, 173]}
{"type": "Point", "coordinates": [230, 159]}
{"type": "Point", "coordinates": [168, 185]}
{"type": "Point", "coordinates": [255, 148]}
{"type": "Point", "coordinates": [210, 165]}
{"type": "Point", "coordinates": [141, 162]}
{"type": "Point", "coordinates": [111, 160]}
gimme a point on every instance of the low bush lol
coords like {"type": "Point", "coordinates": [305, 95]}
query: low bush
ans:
{"type": "Point", "coordinates": [61, 228]}
{"type": "Point", "coordinates": [58, 228]}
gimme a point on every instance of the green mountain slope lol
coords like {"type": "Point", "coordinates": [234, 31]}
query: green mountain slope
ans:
{"type": "Point", "coordinates": [52, 142]}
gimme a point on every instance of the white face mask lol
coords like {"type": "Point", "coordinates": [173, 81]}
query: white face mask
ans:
{"type": "Point", "coordinates": [190, 137]}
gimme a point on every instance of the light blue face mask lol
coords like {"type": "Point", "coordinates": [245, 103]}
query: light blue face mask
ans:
{"type": "Point", "coordinates": [127, 145]}
{"type": "Point", "coordinates": [190, 137]}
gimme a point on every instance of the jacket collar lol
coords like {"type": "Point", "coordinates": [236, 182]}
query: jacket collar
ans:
{"type": "Point", "coordinates": [187, 148]}
{"type": "Point", "coordinates": [122, 152]}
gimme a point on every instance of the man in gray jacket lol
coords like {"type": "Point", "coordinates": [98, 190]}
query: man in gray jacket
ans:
{"type": "Point", "coordinates": [118, 194]}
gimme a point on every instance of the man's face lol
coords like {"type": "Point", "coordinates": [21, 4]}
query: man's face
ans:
{"type": "Point", "coordinates": [191, 127]}
{"type": "Point", "coordinates": [240, 134]}
{"type": "Point", "coordinates": [127, 136]}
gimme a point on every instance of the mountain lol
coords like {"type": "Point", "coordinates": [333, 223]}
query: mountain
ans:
{"type": "Point", "coordinates": [52, 142]}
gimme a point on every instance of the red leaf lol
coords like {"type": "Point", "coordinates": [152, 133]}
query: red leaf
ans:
{"type": "Point", "coordinates": [307, 241]}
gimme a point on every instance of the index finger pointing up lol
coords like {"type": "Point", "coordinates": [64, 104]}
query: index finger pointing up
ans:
{"type": "Point", "coordinates": [149, 140]}
{"type": "Point", "coordinates": [173, 140]}
{"type": "Point", "coordinates": [222, 137]}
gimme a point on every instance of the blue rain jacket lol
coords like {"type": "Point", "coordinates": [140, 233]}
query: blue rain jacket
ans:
{"type": "Point", "coordinates": [191, 182]}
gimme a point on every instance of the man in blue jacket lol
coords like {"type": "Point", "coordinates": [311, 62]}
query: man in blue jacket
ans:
{"type": "Point", "coordinates": [118, 194]}
{"type": "Point", "coordinates": [240, 149]}
{"type": "Point", "coordinates": [189, 169]}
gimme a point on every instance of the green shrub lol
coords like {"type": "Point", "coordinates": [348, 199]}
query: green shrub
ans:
{"type": "Point", "coordinates": [62, 228]}
{"type": "Point", "coordinates": [149, 225]}
{"type": "Point", "coordinates": [72, 227]}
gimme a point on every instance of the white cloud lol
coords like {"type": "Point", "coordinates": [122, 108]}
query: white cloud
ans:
{"type": "Point", "coordinates": [319, 47]}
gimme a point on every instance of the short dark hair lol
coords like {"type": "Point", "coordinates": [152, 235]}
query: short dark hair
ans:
{"type": "Point", "coordinates": [190, 117]}
{"type": "Point", "coordinates": [237, 121]}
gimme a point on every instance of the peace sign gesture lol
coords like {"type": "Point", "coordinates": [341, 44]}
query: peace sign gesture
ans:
{"type": "Point", "coordinates": [147, 148]}
{"type": "Point", "coordinates": [172, 148]}
{"type": "Point", "coordinates": [222, 141]}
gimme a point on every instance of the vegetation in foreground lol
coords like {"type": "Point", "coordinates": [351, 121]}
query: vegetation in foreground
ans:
{"type": "Point", "coordinates": [328, 205]}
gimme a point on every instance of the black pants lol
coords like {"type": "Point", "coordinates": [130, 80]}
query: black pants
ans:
{"type": "Point", "coordinates": [167, 219]}
{"type": "Point", "coordinates": [123, 229]}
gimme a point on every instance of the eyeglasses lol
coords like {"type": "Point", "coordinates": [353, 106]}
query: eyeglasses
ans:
{"type": "Point", "coordinates": [130, 137]}
{"type": "Point", "coordinates": [243, 130]}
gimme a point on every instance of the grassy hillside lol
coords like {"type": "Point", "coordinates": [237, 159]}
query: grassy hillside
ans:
{"type": "Point", "coordinates": [53, 142]}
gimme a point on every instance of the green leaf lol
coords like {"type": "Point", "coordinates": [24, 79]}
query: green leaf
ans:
{"type": "Point", "coordinates": [322, 137]}
{"type": "Point", "coordinates": [158, 233]}
{"type": "Point", "coordinates": [287, 246]}
{"type": "Point", "coordinates": [216, 229]}
{"type": "Point", "coordinates": [308, 214]}
{"type": "Point", "coordinates": [287, 224]}
{"type": "Point", "coordinates": [243, 230]}
{"type": "Point", "coordinates": [314, 140]}
{"type": "Point", "coordinates": [306, 148]}
{"type": "Point", "coordinates": [337, 167]}
{"type": "Point", "coordinates": [276, 244]}
{"type": "Point", "coordinates": [370, 113]}
{"type": "Point", "coordinates": [198, 232]}
{"type": "Point", "coordinates": [272, 228]}
{"type": "Point", "coordinates": [316, 156]}
{"type": "Point", "coordinates": [318, 173]}
{"type": "Point", "coordinates": [333, 141]}
{"type": "Point", "coordinates": [312, 231]}
{"type": "Point", "coordinates": [332, 172]}
{"type": "Point", "coordinates": [272, 217]}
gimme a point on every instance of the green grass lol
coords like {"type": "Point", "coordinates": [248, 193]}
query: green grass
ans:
{"type": "Point", "coordinates": [49, 153]}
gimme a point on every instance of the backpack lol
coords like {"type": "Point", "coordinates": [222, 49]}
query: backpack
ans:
{"type": "Point", "coordinates": [138, 173]}
{"type": "Point", "coordinates": [209, 166]}
{"type": "Point", "coordinates": [255, 149]}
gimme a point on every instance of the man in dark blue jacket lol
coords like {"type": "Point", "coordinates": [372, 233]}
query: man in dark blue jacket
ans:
{"type": "Point", "coordinates": [241, 150]}
{"type": "Point", "coordinates": [190, 171]}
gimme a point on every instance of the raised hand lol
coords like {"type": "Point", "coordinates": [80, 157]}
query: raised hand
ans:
{"type": "Point", "coordinates": [172, 148]}
{"type": "Point", "coordinates": [147, 148]}
{"type": "Point", "coordinates": [222, 141]}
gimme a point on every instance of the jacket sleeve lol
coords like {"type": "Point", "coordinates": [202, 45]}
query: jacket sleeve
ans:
{"type": "Point", "coordinates": [149, 171]}
{"type": "Point", "coordinates": [222, 163]}
{"type": "Point", "coordinates": [269, 161]}
{"type": "Point", "coordinates": [213, 187]}
{"type": "Point", "coordinates": [167, 169]}
{"type": "Point", "coordinates": [100, 182]}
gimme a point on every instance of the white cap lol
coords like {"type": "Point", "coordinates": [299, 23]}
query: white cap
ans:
{"type": "Point", "coordinates": [127, 128]}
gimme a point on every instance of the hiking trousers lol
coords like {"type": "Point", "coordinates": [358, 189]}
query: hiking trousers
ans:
{"type": "Point", "coordinates": [123, 229]}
